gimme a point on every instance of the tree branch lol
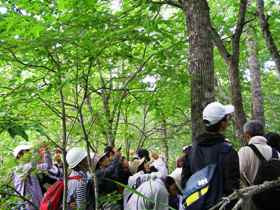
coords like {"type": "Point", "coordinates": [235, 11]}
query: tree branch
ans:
{"type": "Point", "coordinates": [173, 3]}
{"type": "Point", "coordinates": [17, 194]}
{"type": "Point", "coordinates": [27, 64]}
{"type": "Point", "coordinates": [239, 29]}
{"type": "Point", "coordinates": [245, 193]}
{"type": "Point", "coordinates": [219, 44]}
{"type": "Point", "coordinates": [235, 38]}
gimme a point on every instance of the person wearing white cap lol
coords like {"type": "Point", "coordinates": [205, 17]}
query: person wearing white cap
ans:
{"type": "Point", "coordinates": [212, 147]}
{"type": "Point", "coordinates": [26, 184]}
{"type": "Point", "coordinates": [78, 188]}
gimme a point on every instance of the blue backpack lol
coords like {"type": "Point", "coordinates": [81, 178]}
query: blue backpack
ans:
{"type": "Point", "coordinates": [205, 187]}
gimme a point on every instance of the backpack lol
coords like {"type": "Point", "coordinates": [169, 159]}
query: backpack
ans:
{"type": "Point", "coordinates": [198, 193]}
{"type": "Point", "coordinates": [268, 170]}
{"type": "Point", "coordinates": [53, 197]}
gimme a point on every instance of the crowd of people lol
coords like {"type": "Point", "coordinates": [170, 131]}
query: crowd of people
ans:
{"type": "Point", "coordinates": [143, 182]}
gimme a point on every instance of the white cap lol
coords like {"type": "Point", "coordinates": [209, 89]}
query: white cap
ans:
{"type": "Point", "coordinates": [20, 148]}
{"type": "Point", "coordinates": [75, 156]}
{"type": "Point", "coordinates": [216, 111]}
{"type": "Point", "coordinates": [177, 176]}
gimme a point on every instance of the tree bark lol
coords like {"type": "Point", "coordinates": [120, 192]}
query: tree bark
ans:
{"type": "Point", "coordinates": [201, 63]}
{"type": "Point", "coordinates": [236, 97]}
{"type": "Point", "coordinates": [255, 74]}
{"type": "Point", "coordinates": [233, 62]}
{"type": "Point", "coordinates": [270, 43]}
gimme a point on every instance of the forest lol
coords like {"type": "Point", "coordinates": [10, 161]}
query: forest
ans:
{"type": "Point", "coordinates": [132, 74]}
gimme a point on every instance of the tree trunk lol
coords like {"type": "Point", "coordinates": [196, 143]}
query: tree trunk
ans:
{"type": "Point", "coordinates": [270, 43]}
{"type": "Point", "coordinates": [255, 74]}
{"type": "Point", "coordinates": [235, 88]}
{"type": "Point", "coordinates": [165, 140]}
{"type": "Point", "coordinates": [201, 63]}
{"type": "Point", "coordinates": [64, 144]}
{"type": "Point", "coordinates": [126, 140]}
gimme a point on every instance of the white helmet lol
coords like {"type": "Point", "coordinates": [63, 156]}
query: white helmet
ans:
{"type": "Point", "coordinates": [75, 156]}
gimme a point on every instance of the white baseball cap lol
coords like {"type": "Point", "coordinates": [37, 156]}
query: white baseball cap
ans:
{"type": "Point", "coordinates": [20, 148]}
{"type": "Point", "coordinates": [216, 111]}
{"type": "Point", "coordinates": [75, 156]}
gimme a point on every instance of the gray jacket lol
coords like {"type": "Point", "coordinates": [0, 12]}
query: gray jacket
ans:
{"type": "Point", "coordinates": [249, 162]}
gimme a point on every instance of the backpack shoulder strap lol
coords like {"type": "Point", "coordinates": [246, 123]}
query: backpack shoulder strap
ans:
{"type": "Point", "coordinates": [274, 153]}
{"type": "Point", "coordinates": [257, 152]}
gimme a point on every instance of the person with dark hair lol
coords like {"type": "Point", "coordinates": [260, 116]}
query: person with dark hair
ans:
{"type": "Point", "coordinates": [143, 153]}
{"type": "Point", "coordinates": [211, 147]}
{"type": "Point", "coordinates": [273, 140]}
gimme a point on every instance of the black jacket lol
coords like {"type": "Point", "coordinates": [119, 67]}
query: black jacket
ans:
{"type": "Point", "coordinates": [204, 151]}
{"type": "Point", "coordinates": [106, 175]}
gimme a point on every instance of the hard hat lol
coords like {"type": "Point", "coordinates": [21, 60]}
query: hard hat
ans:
{"type": "Point", "coordinates": [75, 156]}
{"type": "Point", "coordinates": [20, 148]}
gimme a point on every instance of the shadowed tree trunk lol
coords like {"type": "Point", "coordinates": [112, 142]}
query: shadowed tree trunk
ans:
{"type": "Point", "coordinates": [255, 74]}
{"type": "Point", "coordinates": [201, 34]}
{"type": "Point", "coordinates": [201, 64]}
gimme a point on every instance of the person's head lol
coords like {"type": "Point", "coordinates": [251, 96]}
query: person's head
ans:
{"type": "Point", "coordinates": [171, 186]}
{"type": "Point", "coordinates": [253, 128]}
{"type": "Point", "coordinates": [180, 161]}
{"type": "Point", "coordinates": [143, 153]}
{"type": "Point", "coordinates": [21, 150]}
{"type": "Point", "coordinates": [174, 182]}
{"type": "Point", "coordinates": [105, 161]}
{"type": "Point", "coordinates": [58, 156]}
{"type": "Point", "coordinates": [101, 161]}
{"type": "Point", "coordinates": [136, 165]}
{"type": "Point", "coordinates": [187, 149]}
{"type": "Point", "coordinates": [109, 150]}
{"type": "Point", "coordinates": [77, 159]}
{"type": "Point", "coordinates": [216, 116]}
{"type": "Point", "coordinates": [273, 139]}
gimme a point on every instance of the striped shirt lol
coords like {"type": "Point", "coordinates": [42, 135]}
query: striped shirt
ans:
{"type": "Point", "coordinates": [77, 190]}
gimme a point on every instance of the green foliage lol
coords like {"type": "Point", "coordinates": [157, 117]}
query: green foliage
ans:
{"type": "Point", "coordinates": [124, 70]}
